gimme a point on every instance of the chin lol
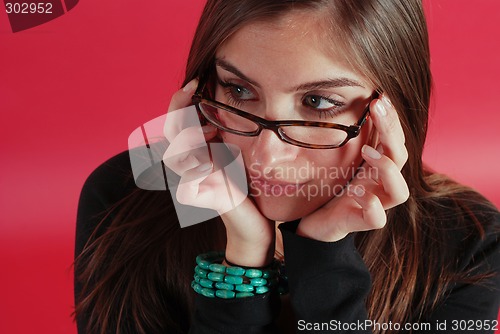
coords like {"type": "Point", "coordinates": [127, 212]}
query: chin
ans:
{"type": "Point", "coordinates": [283, 209]}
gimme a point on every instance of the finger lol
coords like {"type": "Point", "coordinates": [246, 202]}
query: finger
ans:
{"type": "Point", "coordinates": [371, 214]}
{"type": "Point", "coordinates": [205, 188]}
{"type": "Point", "coordinates": [179, 115]}
{"type": "Point", "coordinates": [188, 189]}
{"type": "Point", "coordinates": [189, 149]}
{"type": "Point", "coordinates": [189, 139]}
{"type": "Point", "coordinates": [392, 187]}
{"type": "Point", "coordinates": [391, 135]}
{"type": "Point", "coordinates": [182, 97]}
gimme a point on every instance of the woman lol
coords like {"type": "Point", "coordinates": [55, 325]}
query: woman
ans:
{"type": "Point", "coordinates": [387, 241]}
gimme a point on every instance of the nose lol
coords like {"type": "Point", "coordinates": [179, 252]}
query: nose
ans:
{"type": "Point", "coordinates": [268, 152]}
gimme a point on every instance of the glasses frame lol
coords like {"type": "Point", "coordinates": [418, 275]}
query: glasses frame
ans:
{"type": "Point", "coordinates": [276, 126]}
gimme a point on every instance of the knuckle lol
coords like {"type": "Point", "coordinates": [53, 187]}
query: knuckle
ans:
{"type": "Point", "coordinates": [174, 102]}
{"type": "Point", "coordinates": [400, 196]}
{"type": "Point", "coordinates": [170, 165]}
{"type": "Point", "coordinates": [404, 155]}
{"type": "Point", "coordinates": [404, 194]}
{"type": "Point", "coordinates": [188, 190]}
{"type": "Point", "coordinates": [381, 222]}
{"type": "Point", "coordinates": [403, 136]}
{"type": "Point", "coordinates": [378, 220]}
{"type": "Point", "coordinates": [374, 207]}
{"type": "Point", "coordinates": [169, 152]}
{"type": "Point", "coordinates": [168, 161]}
{"type": "Point", "coordinates": [172, 160]}
{"type": "Point", "coordinates": [182, 196]}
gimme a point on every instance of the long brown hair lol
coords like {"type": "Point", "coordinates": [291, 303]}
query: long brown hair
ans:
{"type": "Point", "coordinates": [144, 250]}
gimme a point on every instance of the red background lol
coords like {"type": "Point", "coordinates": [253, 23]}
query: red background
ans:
{"type": "Point", "coordinates": [73, 89]}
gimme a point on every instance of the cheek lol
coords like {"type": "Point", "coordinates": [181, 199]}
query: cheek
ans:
{"type": "Point", "coordinates": [337, 166]}
{"type": "Point", "coordinates": [243, 143]}
{"type": "Point", "coordinates": [240, 141]}
{"type": "Point", "coordinates": [349, 156]}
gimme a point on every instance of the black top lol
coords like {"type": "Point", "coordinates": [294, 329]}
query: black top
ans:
{"type": "Point", "coordinates": [328, 281]}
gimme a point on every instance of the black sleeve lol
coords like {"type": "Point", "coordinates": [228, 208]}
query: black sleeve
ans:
{"type": "Point", "coordinates": [105, 187]}
{"type": "Point", "coordinates": [249, 315]}
{"type": "Point", "coordinates": [473, 308]}
{"type": "Point", "coordinates": [108, 184]}
{"type": "Point", "coordinates": [328, 283]}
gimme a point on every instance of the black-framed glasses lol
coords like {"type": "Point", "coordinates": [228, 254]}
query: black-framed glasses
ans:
{"type": "Point", "coordinates": [308, 134]}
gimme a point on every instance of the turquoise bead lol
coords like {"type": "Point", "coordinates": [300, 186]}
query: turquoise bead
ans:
{"type": "Point", "coordinates": [197, 288]}
{"type": "Point", "coordinates": [261, 289]}
{"type": "Point", "coordinates": [233, 279]}
{"type": "Point", "coordinates": [206, 283]}
{"type": "Point", "coordinates": [244, 287]}
{"type": "Point", "coordinates": [236, 271]}
{"type": "Point", "coordinates": [208, 292]}
{"type": "Point", "coordinates": [226, 294]}
{"type": "Point", "coordinates": [258, 281]}
{"type": "Point", "coordinates": [203, 264]}
{"type": "Point", "coordinates": [252, 273]}
{"type": "Point", "coordinates": [204, 260]}
{"type": "Point", "coordinates": [212, 279]}
{"type": "Point", "coordinates": [215, 277]}
{"type": "Point", "coordinates": [200, 272]}
{"type": "Point", "coordinates": [224, 286]}
{"type": "Point", "coordinates": [217, 268]}
{"type": "Point", "coordinates": [244, 294]}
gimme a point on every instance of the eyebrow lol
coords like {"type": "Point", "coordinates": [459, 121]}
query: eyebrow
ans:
{"type": "Point", "coordinates": [230, 68]}
{"type": "Point", "coordinates": [323, 84]}
{"type": "Point", "coordinates": [330, 83]}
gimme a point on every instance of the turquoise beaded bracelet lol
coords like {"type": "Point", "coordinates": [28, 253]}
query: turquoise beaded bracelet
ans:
{"type": "Point", "coordinates": [213, 279]}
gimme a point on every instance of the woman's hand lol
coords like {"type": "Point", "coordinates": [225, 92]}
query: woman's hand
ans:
{"type": "Point", "coordinates": [250, 236]}
{"type": "Point", "coordinates": [362, 207]}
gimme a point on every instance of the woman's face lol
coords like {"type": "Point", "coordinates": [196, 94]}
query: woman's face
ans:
{"type": "Point", "coordinates": [286, 70]}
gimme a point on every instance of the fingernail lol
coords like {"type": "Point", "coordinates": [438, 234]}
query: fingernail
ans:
{"type": "Point", "coordinates": [190, 86]}
{"type": "Point", "coordinates": [371, 152]}
{"type": "Point", "coordinates": [358, 191]}
{"type": "Point", "coordinates": [379, 106]}
{"type": "Point", "coordinates": [204, 167]}
{"type": "Point", "coordinates": [387, 101]}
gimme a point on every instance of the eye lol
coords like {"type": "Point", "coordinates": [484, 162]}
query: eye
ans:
{"type": "Point", "coordinates": [240, 92]}
{"type": "Point", "coordinates": [321, 102]}
{"type": "Point", "coordinates": [236, 94]}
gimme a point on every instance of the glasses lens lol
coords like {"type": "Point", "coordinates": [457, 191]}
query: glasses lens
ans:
{"type": "Point", "coordinates": [227, 120]}
{"type": "Point", "coordinates": [313, 135]}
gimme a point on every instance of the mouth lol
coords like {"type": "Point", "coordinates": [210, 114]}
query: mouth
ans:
{"type": "Point", "coordinates": [275, 188]}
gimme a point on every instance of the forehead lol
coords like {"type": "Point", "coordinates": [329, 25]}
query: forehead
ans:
{"type": "Point", "coordinates": [296, 45]}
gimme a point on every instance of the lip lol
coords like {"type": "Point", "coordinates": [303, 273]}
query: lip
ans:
{"type": "Point", "coordinates": [276, 187]}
